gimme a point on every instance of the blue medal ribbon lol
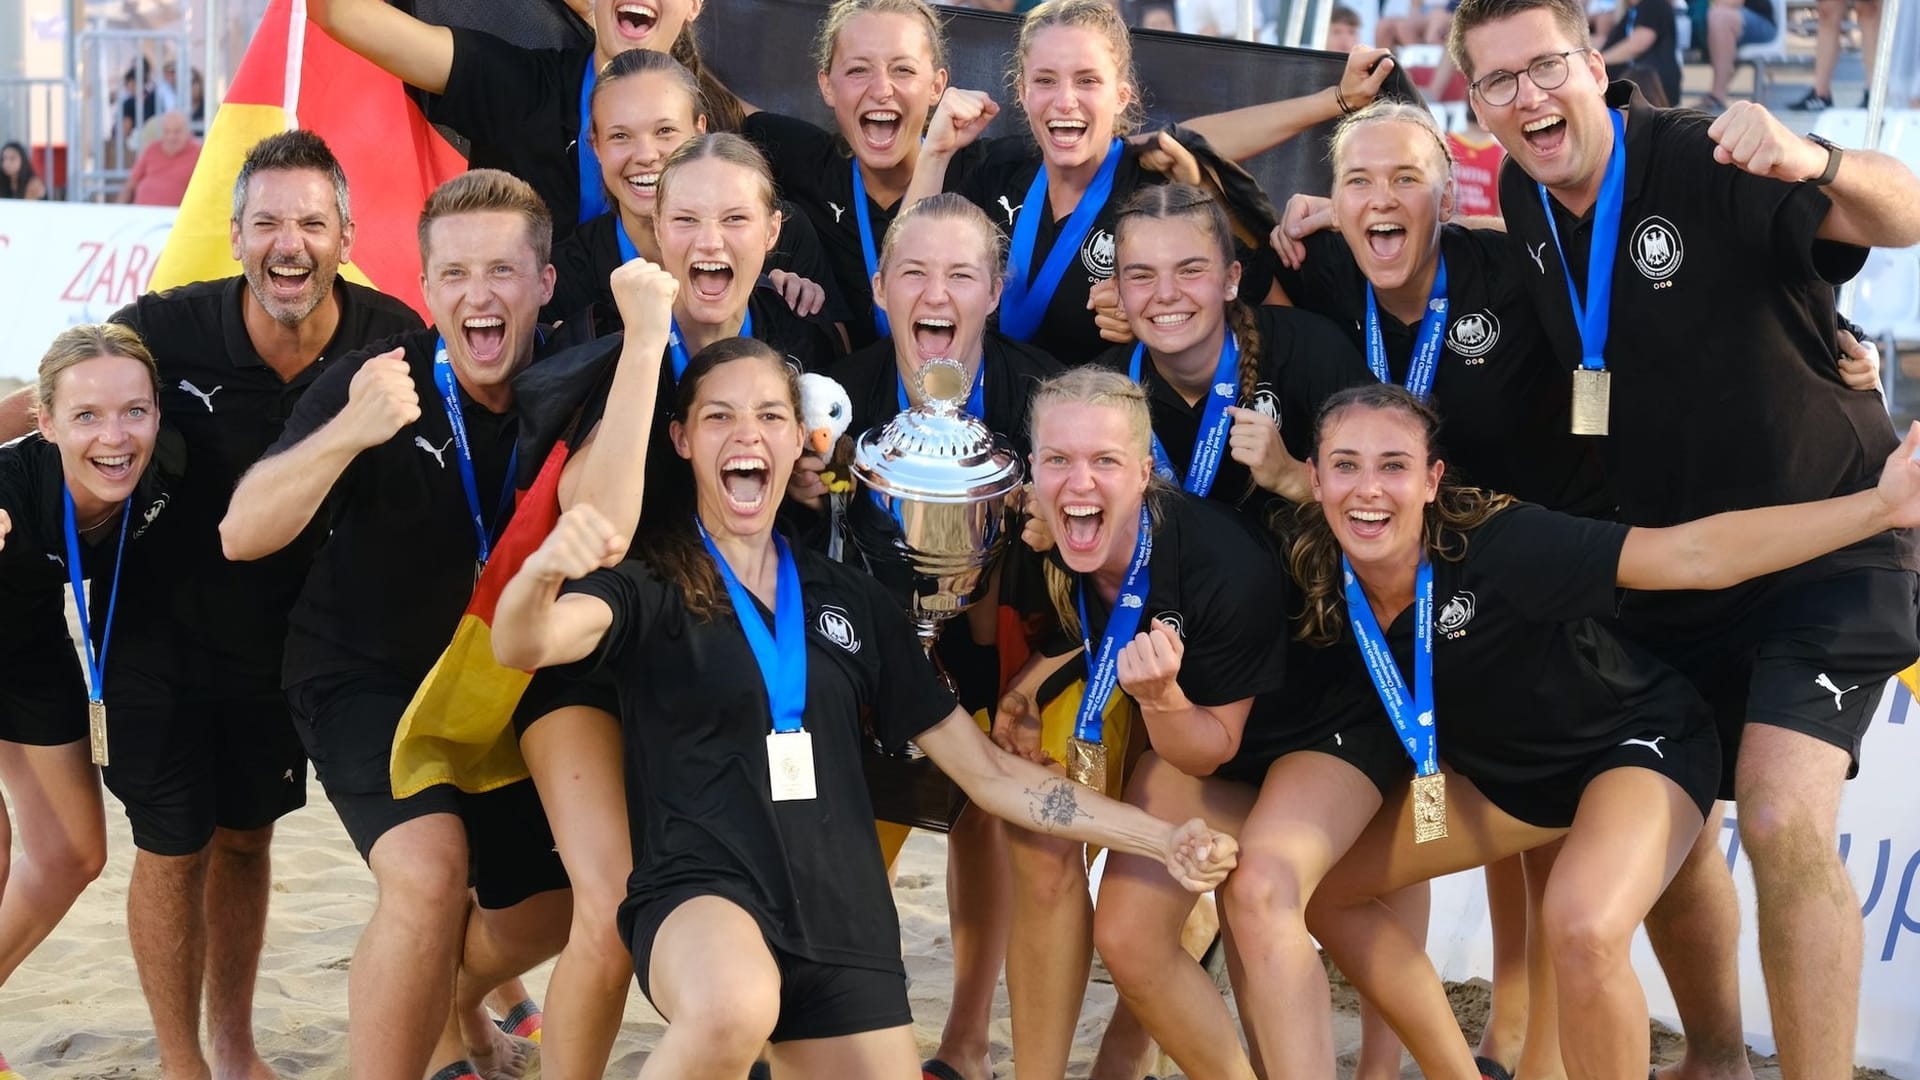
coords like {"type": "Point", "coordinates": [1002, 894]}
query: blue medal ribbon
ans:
{"type": "Point", "coordinates": [867, 249]}
{"type": "Point", "coordinates": [1023, 302]}
{"type": "Point", "coordinates": [781, 654]}
{"type": "Point", "coordinates": [450, 399]}
{"type": "Point", "coordinates": [1592, 316]}
{"type": "Point", "coordinates": [1425, 362]}
{"type": "Point", "coordinates": [1210, 447]}
{"type": "Point", "coordinates": [976, 398]}
{"type": "Point", "coordinates": [593, 193]}
{"type": "Point", "coordinates": [1412, 715]}
{"type": "Point", "coordinates": [96, 660]}
{"type": "Point", "coordinates": [679, 349]}
{"type": "Point", "coordinates": [1103, 668]}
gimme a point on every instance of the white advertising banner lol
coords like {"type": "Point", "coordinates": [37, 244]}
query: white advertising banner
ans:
{"type": "Point", "coordinates": [68, 263]}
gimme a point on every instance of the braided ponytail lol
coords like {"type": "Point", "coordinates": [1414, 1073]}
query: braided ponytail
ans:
{"type": "Point", "coordinates": [724, 112]}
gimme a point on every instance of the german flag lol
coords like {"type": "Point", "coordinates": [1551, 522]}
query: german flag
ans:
{"type": "Point", "coordinates": [1911, 677]}
{"type": "Point", "coordinates": [295, 76]}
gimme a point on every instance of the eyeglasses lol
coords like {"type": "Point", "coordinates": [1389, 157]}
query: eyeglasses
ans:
{"type": "Point", "coordinates": [1549, 72]}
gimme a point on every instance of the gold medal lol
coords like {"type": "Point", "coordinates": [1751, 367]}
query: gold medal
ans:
{"type": "Point", "coordinates": [1087, 763]}
{"type": "Point", "coordinates": [1429, 807]}
{"type": "Point", "coordinates": [97, 731]}
{"type": "Point", "coordinates": [1591, 400]}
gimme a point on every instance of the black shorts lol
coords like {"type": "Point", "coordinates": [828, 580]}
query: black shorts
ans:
{"type": "Point", "coordinates": [817, 1000]}
{"type": "Point", "coordinates": [186, 760]}
{"type": "Point", "coordinates": [1813, 655]}
{"type": "Point", "coordinates": [43, 695]}
{"type": "Point", "coordinates": [1690, 759]}
{"type": "Point", "coordinates": [347, 723]}
{"type": "Point", "coordinates": [1369, 746]}
{"type": "Point", "coordinates": [563, 687]}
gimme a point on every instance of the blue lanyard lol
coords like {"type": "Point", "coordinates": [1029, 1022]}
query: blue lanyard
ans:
{"type": "Point", "coordinates": [679, 349]}
{"type": "Point", "coordinates": [1103, 668]}
{"type": "Point", "coordinates": [450, 398]}
{"type": "Point", "coordinates": [782, 654]}
{"type": "Point", "coordinates": [976, 398]}
{"type": "Point", "coordinates": [867, 251]}
{"type": "Point", "coordinates": [1412, 717]}
{"type": "Point", "coordinates": [1210, 448]}
{"type": "Point", "coordinates": [1023, 303]}
{"type": "Point", "coordinates": [96, 662]}
{"type": "Point", "coordinates": [628, 252]}
{"type": "Point", "coordinates": [1592, 317]}
{"type": "Point", "coordinates": [593, 193]}
{"type": "Point", "coordinates": [1425, 362]}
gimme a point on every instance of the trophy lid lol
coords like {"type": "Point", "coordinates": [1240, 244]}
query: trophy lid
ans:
{"type": "Point", "coordinates": [936, 452]}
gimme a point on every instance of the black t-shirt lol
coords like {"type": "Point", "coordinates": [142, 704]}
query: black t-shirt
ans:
{"type": "Point", "coordinates": [520, 111]}
{"type": "Point", "coordinates": [1304, 360]}
{"type": "Point", "coordinates": [584, 260]}
{"type": "Point", "coordinates": [187, 611]}
{"type": "Point", "coordinates": [695, 715]}
{"type": "Point", "coordinates": [1504, 401]}
{"type": "Point", "coordinates": [814, 169]}
{"type": "Point", "coordinates": [1528, 680]}
{"type": "Point", "coordinates": [396, 570]}
{"type": "Point", "coordinates": [1662, 57]}
{"type": "Point", "coordinates": [1725, 391]}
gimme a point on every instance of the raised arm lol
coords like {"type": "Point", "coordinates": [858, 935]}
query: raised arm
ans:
{"type": "Point", "coordinates": [609, 470]}
{"type": "Point", "coordinates": [533, 625]}
{"type": "Point", "coordinates": [415, 52]}
{"type": "Point", "coordinates": [276, 498]}
{"type": "Point", "coordinates": [961, 117]}
{"type": "Point", "coordinates": [1196, 739]}
{"type": "Point", "coordinates": [1239, 134]}
{"type": "Point", "coordinates": [1876, 199]}
{"type": "Point", "coordinates": [1726, 549]}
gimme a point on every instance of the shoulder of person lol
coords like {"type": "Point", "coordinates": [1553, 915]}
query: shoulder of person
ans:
{"type": "Point", "coordinates": [781, 134]}
{"type": "Point", "coordinates": [193, 308]}
{"type": "Point", "coordinates": [1023, 359]}
{"type": "Point", "coordinates": [1304, 329]}
{"type": "Point", "coordinates": [386, 315]}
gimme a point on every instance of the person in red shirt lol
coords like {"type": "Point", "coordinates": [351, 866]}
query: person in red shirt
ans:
{"type": "Point", "coordinates": [159, 177]}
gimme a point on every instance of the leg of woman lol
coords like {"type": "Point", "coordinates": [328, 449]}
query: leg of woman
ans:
{"type": "Point", "coordinates": [575, 756]}
{"type": "Point", "coordinates": [979, 899]}
{"type": "Point", "coordinates": [1367, 941]}
{"type": "Point", "coordinates": [1506, 1028]}
{"type": "Point", "coordinates": [888, 1052]}
{"type": "Point", "coordinates": [55, 792]}
{"type": "Point", "coordinates": [1137, 928]}
{"type": "Point", "coordinates": [1310, 808]}
{"type": "Point", "coordinates": [1049, 949]}
{"type": "Point", "coordinates": [714, 979]}
{"type": "Point", "coordinates": [1540, 1047]}
{"type": "Point", "coordinates": [1633, 829]}
{"type": "Point", "coordinates": [1380, 1049]}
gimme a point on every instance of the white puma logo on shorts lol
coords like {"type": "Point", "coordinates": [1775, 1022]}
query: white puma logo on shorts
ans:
{"type": "Point", "coordinates": [1652, 744]}
{"type": "Point", "coordinates": [1826, 684]}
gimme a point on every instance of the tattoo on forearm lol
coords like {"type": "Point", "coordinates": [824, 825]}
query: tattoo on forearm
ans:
{"type": "Point", "coordinates": [1055, 804]}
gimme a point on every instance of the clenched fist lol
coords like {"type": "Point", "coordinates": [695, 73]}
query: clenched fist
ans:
{"type": "Point", "coordinates": [1200, 858]}
{"type": "Point", "coordinates": [1150, 669]}
{"type": "Point", "coordinates": [961, 117]}
{"type": "Point", "coordinates": [643, 292]}
{"type": "Point", "coordinates": [581, 542]}
{"type": "Point", "coordinates": [6, 526]}
{"type": "Point", "coordinates": [381, 400]}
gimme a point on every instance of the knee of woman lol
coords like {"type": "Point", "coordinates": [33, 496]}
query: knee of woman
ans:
{"type": "Point", "coordinates": [1263, 888]}
{"type": "Point", "coordinates": [1048, 874]}
{"type": "Point", "coordinates": [733, 1021]}
{"type": "Point", "coordinates": [595, 937]}
{"type": "Point", "coordinates": [1585, 943]}
{"type": "Point", "coordinates": [1128, 947]}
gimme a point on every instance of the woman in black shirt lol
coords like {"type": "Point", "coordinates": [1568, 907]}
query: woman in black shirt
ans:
{"type": "Point", "coordinates": [758, 908]}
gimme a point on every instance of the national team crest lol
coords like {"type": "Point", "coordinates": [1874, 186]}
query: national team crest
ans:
{"type": "Point", "coordinates": [1474, 336]}
{"type": "Point", "coordinates": [1656, 248]}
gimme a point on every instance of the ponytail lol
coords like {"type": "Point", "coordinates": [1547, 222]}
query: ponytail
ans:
{"type": "Point", "coordinates": [724, 111]}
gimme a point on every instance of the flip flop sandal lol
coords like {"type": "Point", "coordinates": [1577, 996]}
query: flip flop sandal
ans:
{"type": "Point", "coordinates": [459, 1070]}
{"type": "Point", "coordinates": [521, 1021]}
{"type": "Point", "coordinates": [1491, 1069]}
{"type": "Point", "coordinates": [935, 1069]}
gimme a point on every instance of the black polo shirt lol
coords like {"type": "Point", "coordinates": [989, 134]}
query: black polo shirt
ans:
{"type": "Point", "coordinates": [695, 716]}
{"type": "Point", "coordinates": [814, 169]}
{"type": "Point", "coordinates": [1304, 360]}
{"type": "Point", "coordinates": [1503, 399]}
{"type": "Point", "coordinates": [192, 614]}
{"type": "Point", "coordinates": [396, 569]}
{"type": "Point", "coordinates": [519, 109]}
{"type": "Point", "coordinates": [584, 261]}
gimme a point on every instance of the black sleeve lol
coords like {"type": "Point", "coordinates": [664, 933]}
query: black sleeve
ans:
{"type": "Point", "coordinates": [910, 697]}
{"type": "Point", "coordinates": [496, 87]}
{"type": "Point", "coordinates": [1551, 566]}
{"type": "Point", "coordinates": [788, 142]}
{"type": "Point", "coordinates": [637, 599]}
{"type": "Point", "coordinates": [1324, 362]}
{"type": "Point", "coordinates": [323, 400]}
{"type": "Point", "coordinates": [1324, 283]}
{"type": "Point", "coordinates": [1781, 220]}
{"type": "Point", "coordinates": [578, 282]}
{"type": "Point", "coordinates": [799, 252]}
{"type": "Point", "coordinates": [1236, 632]}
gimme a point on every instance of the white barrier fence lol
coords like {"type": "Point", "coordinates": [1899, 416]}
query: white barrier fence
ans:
{"type": "Point", "coordinates": [68, 263]}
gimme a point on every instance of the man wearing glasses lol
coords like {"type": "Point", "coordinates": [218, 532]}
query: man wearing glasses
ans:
{"type": "Point", "coordinates": [1684, 266]}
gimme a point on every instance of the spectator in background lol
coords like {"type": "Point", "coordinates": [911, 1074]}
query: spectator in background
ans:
{"type": "Point", "coordinates": [17, 178]}
{"type": "Point", "coordinates": [160, 176]}
{"type": "Point", "coordinates": [1211, 18]}
{"type": "Point", "coordinates": [1156, 15]}
{"type": "Point", "coordinates": [1343, 29]}
{"type": "Point", "coordinates": [1826, 50]}
{"type": "Point", "coordinates": [1731, 24]}
{"type": "Point", "coordinates": [1476, 169]}
{"type": "Point", "coordinates": [1640, 46]}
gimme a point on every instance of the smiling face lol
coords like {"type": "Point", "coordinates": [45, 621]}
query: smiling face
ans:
{"type": "Point", "coordinates": [715, 228]}
{"type": "Point", "coordinates": [1373, 480]}
{"type": "Point", "coordinates": [1390, 194]}
{"type": "Point", "coordinates": [619, 25]}
{"type": "Point", "coordinates": [937, 286]}
{"type": "Point", "coordinates": [742, 435]}
{"type": "Point", "coordinates": [104, 419]}
{"type": "Point", "coordinates": [485, 285]}
{"type": "Point", "coordinates": [1173, 283]}
{"type": "Point", "coordinates": [10, 160]}
{"type": "Point", "coordinates": [290, 241]}
{"type": "Point", "coordinates": [1561, 137]}
{"type": "Point", "coordinates": [1072, 90]}
{"type": "Point", "coordinates": [637, 121]}
{"type": "Point", "coordinates": [881, 86]}
{"type": "Point", "coordinates": [1090, 473]}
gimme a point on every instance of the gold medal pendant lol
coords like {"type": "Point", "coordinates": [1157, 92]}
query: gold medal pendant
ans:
{"type": "Point", "coordinates": [1429, 807]}
{"type": "Point", "coordinates": [1592, 399]}
{"type": "Point", "coordinates": [97, 731]}
{"type": "Point", "coordinates": [1087, 763]}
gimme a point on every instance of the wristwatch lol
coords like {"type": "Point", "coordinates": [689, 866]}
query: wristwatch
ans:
{"type": "Point", "coordinates": [1833, 161]}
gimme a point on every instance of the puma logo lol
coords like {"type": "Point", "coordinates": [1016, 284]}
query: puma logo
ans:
{"type": "Point", "coordinates": [421, 442]}
{"type": "Point", "coordinates": [1826, 684]}
{"type": "Point", "coordinates": [1652, 744]}
{"type": "Point", "coordinates": [1010, 209]}
{"type": "Point", "coordinates": [287, 776]}
{"type": "Point", "coordinates": [206, 397]}
{"type": "Point", "coordinates": [1537, 252]}
{"type": "Point", "coordinates": [837, 210]}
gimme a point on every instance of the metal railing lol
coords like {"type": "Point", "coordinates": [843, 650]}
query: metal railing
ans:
{"type": "Point", "coordinates": [120, 83]}
{"type": "Point", "coordinates": [39, 114]}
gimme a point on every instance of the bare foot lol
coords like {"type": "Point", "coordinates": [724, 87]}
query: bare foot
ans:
{"type": "Point", "coordinates": [504, 1057]}
{"type": "Point", "coordinates": [250, 1067]}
